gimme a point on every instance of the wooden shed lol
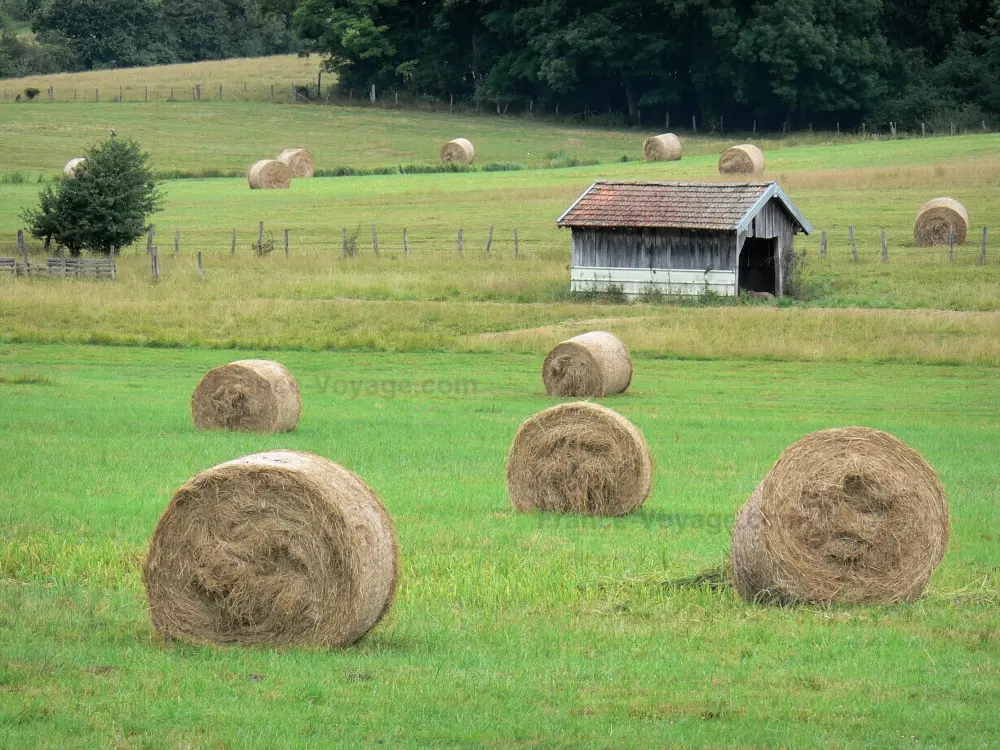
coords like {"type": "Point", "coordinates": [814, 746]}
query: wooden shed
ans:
{"type": "Point", "coordinates": [683, 237]}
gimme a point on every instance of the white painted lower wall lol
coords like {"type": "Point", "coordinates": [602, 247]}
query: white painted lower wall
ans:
{"type": "Point", "coordinates": [636, 281]}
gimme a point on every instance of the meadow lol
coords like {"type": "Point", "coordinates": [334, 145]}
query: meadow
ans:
{"type": "Point", "coordinates": [509, 629]}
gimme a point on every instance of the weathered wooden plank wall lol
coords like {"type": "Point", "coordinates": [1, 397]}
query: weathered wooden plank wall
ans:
{"type": "Point", "coordinates": [654, 248]}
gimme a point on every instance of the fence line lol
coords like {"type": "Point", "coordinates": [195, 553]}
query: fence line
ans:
{"type": "Point", "coordinates": [488, 242]}
{"type": "Point", "coordinates": [316, 91]}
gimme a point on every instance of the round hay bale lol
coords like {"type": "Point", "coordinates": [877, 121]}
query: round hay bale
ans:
{"type": "Point", "coordinates": [251, 395]}
{"type": "Point", "coordinates": [591, 365]}
{"type": "Point", "coordinates": [846, 515]}
{"type": "Point", "coordinates": [666, 147]}
{"type": "Point", "coordinates": [579, 458]}
{"type": "Point", "coordinates": [269, 174]}
{"type": "Point", "coordinates": [937, 219]}
{"type": "Point", "coordinates": [72, 165]}
{"type": "Point", "coordinates": [459, 151]}
{"type": "Point", "coordinates": [743, 159]}
{"type": "Point", "coordinates": [272, 549]}
{"type": "Point", "coordinates": [300, 160]}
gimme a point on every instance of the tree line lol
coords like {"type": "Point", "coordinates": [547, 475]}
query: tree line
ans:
{"type": "Point", "coordinates": [74, 35]}
{"type": "Point", "coordinates": [779, 63]}
{"type": "Point", "coordinates": [728, 63]}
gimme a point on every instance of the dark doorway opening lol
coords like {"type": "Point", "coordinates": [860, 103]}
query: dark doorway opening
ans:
{"type": "Point", "coordinates": [758, 265]}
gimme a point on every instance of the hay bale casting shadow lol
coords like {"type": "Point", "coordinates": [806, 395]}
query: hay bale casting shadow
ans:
{"type": "Point", "coordinates": [251, 395]}
{"type": "Point", "coordinates": [269, 174]}
{"type": "Point", "coordinates": [299, 160]}
{"type": "Point", "coordinates": [591, 365]}
{"type": "Point", "coordinates": [937, 219]}
{"type": "Point", "coordinates": [579, 458]}
{"type": "Point", "coordinates": [459, 151]}
{"type": "Point", "coordinates": [272, 549]}
{"type": "Point", "coordinates": [846, 515]}
{"type": "Point", "coordinates": [666, 147]}
{"type": "Point", "coordinates": [743, 159]}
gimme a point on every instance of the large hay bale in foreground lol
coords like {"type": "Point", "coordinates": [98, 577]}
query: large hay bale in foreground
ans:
{"type": "Point", "coordinates": [937, 219]}
{"type": "Point", "coordinates": [72, 165]}
{"type": "Point", "coordinates": [743, 159]}
{"type": "Point", "coordinates": [579, 458]}
{"type": "Point", "coordinates": [274, 548]}
{"type": "Point", "coordinates": [459, 151]}
{"type": "Point", "coordinates": [666, 147]}
{"type": "Point", "coordinates": [299, 160]}
{"type": "Point", "coordinates": [846, 515]}
{"type": "Point", "coordinates": [591, 365]}
{"type": "Point", "coordinates": [251, 395]}
{"type": "Point", "coordinates": [269, 174]}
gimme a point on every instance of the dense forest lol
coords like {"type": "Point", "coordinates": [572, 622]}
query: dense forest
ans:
{"type": "Point", "coordinates": [72, 35]}
{"type": "Point", "coordinates": [781, 63]}
{"type": "Point", "coordinates": [729, 63]}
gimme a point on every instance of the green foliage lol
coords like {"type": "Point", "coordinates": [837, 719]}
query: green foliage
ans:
{"type": "Point", "coordinates": [105, 207]}
{"type": "Point", "coordinates": [198, 29]}
{"type": "Point", "coordinates": [105, 35]}
{"type": "Point", "coordinates": [781, 62]}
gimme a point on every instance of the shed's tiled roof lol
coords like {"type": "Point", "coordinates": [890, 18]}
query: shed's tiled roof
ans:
{"type": "Point", "coordinates": [680, 205]}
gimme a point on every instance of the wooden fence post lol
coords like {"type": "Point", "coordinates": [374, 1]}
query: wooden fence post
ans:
{"type": "Point", "coordinates": [234, 243]}
{"type": "Point", "coordinates": [517, 245]}
{"type": "Point", "coordinates": [121, 93]}
{"type": "Point", "coordinates": [177, 243]}
{"type": "Point", "coordinates": [489, 243]}
{"type": "Point", "coordinates": [885, 248]}
{"type": "Point", "coordinates": [220, 92]}
{"type": "Point", "coordinates": [986, 234]}
{"type": "Point", "coordinates": [854, 243]}
{"type": "Point", "coordinates": [375, 240]}
{"type": "Point", "coordinates": [145, 93]}
{"type": "Point", "coordinates": [260, 238]}
{"type": "Point", "coordinates": [97, 95]}
{"type": "Point", "coordinates": [62, 258]}
{"type": "Point", "coordinates": [149, 239]}
{"type": "Point", "coordinates": [23, 249]}
{"type": "Point", "coordinates": [345, 242]}
{"type": "Point", "coordinates": [286, 243]}
{"type": "Point", "coordinates": [201, 269]}
{"type": "Point", "coordinates": [460, 232]}
{"type": "Point", "coordinates": [406, 244]}
{"type": "Point", "coordinates": [822, 246]}
{"type": "Point", "coordinates": [156, 265]}
{"type": "Point", "coordinates": [272, 93]}
{"type": "Point", "coordinates": [694, 123]}
{"type": "Point", "coordinates": [197, 89]}
{"type": "Point", "coordinates": [951, 246]}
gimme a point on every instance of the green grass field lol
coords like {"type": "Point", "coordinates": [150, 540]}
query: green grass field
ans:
{"type": "Point", "coordinates": [509, 629]}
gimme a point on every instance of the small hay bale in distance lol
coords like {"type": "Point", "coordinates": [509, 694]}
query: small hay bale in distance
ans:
{"type": "Point", "coordinates": [458, 151]}
{"type": "Point", "coordinates": [937, 219]}
{"type": "Point", "coordinates": [666, 147]}
{"type": "Point", "coordinates": [847, 515]}
{"type": "Point", "coordinates": [250, 395]}
{"type": "Point", "coordinates": [591, 365]}
{"type": "Point", "coordinates": [743, 159]}
{"type": "Point", "coordinates": [299, 160]}
{"type": "Point", "coordinates": [579, 458]}
{"type": "Point", "coordinates": [269, 174]}
{"type": "Point", "coordinates": [272, 549]}
{"type": "Point", "coordinates": [71, 166]}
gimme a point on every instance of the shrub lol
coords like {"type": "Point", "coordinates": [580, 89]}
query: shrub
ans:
{"type": "Point", "coordinates": [105, 207]}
